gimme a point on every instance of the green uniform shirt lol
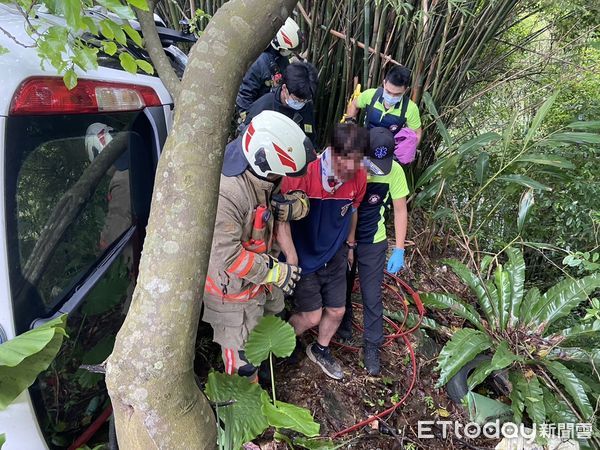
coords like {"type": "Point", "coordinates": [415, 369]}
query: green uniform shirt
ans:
{"type": "Point", "coordinates": [371, 212]}
{"type": "Point", "coordinates": [413, 118]}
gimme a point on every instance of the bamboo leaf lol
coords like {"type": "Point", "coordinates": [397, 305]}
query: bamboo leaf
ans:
{"type": "Point", "coordinates": [503, 287]}
{"type": "Point", "coordinates": [476, 285]}
{"type": "Point", "coordinates": [573, 387]}
{"type": "Point", "coordinates": [454, 304]}
{"type": "Point", "coordinates": [530, 392]}
{"type": "Point", "coordinates": [438, 168]}
{"type": "Point", "coordinates": [481, 167]}
{"type": "Point", "coordinates": [478, 142]}
{"type": "Point", "coordinates": [539, 118]}
{"type": "Point", "coordinates": [547, 160]}
{"type": "Point", "coordinates": [524, 181]}
{"type": "Point", "coordinates": [465, 345]}
{"type": "Point", "coordinates": [502, 358]}
{"type": "Point", "coordinates": [525, 204]}
{"type": "Point", "coordinates": [585, 125]}
{"type": "Point", "coordinates": [574, 137]}
{"type": "Point", "coordinates": [515, 267]}
{"type": "Point", "coordinates": [561, 298]}
{"type": "Point", "coordinates": [438, 122]}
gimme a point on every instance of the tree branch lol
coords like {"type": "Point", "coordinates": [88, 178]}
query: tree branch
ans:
{"type": "Point", "coordinates": [154, 48]}
{"type": "Point", "coordinates": [15, 39]}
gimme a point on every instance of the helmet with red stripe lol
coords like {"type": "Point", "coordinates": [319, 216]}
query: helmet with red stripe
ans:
{"type": "Point", "coordinates": [274, 144]}
{"type": "Point", "coordinates": [287, 38]}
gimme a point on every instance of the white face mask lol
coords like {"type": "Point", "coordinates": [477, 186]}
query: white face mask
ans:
{"type": "Point", "coordinates": [391, 100]}
{"type": "Point", "coordinates": [295, 104]}
{"type": "Point", "coordinates": [284, 52]}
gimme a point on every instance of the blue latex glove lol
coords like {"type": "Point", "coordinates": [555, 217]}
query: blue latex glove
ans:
{"type": "Point", "coordinates": [396, 261]}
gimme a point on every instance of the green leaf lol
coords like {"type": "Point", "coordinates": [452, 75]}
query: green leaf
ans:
{"type": "Point", "coordinates": [477, 286]}
{"type": "Point", "coordinates": [454, 304]}
{"type": "Point", "coordinates": [531, 299]}
{"type": "Point", "coordinates": [539, 118]}
{"type": "Point", "coordinates": [502, 358]}
{"type": "Point", "coordinates": [581, 330]}
{"type": "Point", "coordinates": [481, 167]}
{"type": "Point", "coordinates": [133, 35]}
{"type": "Point", "coordinates": [319, 443]}
{"type": "Point", "coordinates": [291, 417]}
{"type": "Point", "coordinates": [3, 50]}
{"type": "Point", "coordinates": [575, 137]}
{"type": "Point", "coordinates": [515, 267]}
{"type": "Point", "coordinates": [478, 142]}
{"type": "Point", "coordinates": [86, 57]}
{"type": "Point", "coordinates": [72, 12]}
{"type": "Point", "coordinates": [106, 29]}
{"type": "Point", "coordinates": [547, 160]}
{"type": "Point", "coordinates": [118, 33]}
{"type": "Point", "coordinates": [561, 298]}
{"type": "Point", "coordinates": [2, 439]}
{"type": "Point", "coordinates": [576, 354]}
{"type": "Point", "coordinates": [585, 125]}
{"type": "Point", "coordinates": [530, 392]}
{"type": "Point", "coordinates": [270, 335]}
{"type": "Point", "coordinates": [438, 122]}
{"type": "Point", "coordinates": [524, 181]}
{"type": "Point", "coordinates": [70, 79]}
{"type": "Point", "coordinates": [556, 409]}
{"type": "Point", "coordinates": [123, 11]}
{"type": "Point", "coordinates": [517, 403]}
{"type": "Point", "coordinates": [145, 66]}
{"type": "Point", "coordinates": [23, 358]}
{"type": "Point", "coordinates": [243, 419]}
{"type": "Point", "coordinates": [139, 4]}
{"type": "Point", "coordinates": [462, 348]}
{"type": "Point", "coordinates": [90, 25]}
{"type": "Point", "coordinates": [109, 47]}
{"type": "Point", "coordinates": [525, 204]}
{"type": "Point", "coordinates": [440, 167]}
{"type": "Point", "coordinates": [573, 387]}
{"type": "Point", "coordinates": [128, 62]}
{"type": "Point", "coordinates": [503, 287]}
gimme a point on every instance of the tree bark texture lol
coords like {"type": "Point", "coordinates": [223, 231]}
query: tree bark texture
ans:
{"type": "Point", "coordinates": [150, 372]}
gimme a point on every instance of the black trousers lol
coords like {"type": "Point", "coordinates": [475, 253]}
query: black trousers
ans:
{"type": "Point", "coordinates": [370, 260]}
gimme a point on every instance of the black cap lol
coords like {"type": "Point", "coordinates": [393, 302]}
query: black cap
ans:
{"type": "Point", "coordinates": [381, 149]}
{"type": "Point", "coordinates": [234, 161]}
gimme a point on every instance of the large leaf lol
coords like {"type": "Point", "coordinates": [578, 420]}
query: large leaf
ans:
{"type": "Point", "coordinates": [23, 358]}
{"type": "Point", "coordinates": [465, 345]}
{"type": "Point", "coordinates": [244, 419]}
{"type": "Point", "coordinates": [502, 358]}
{"type": "Point", "coordinates": [547, 160]}
{"type": "Point", "coordinates": [530, 392]}
{"type": "Point", "coordinates": [561, 298]}
{"type": "Point", "coordinates": [556, 409]}
{"type": "Point", "coordinates": [585, 125]}
{"type": "Point", "coordinates": [573, 387]}
{"type": "Point", "coordinates": [531, 299]}
{"type": "Point", "coordinates": [525, 204]}
{"type": "Point", "coordinates": [290, 417]}
{"type": "Point", "coordinates": [592, 329]}
{"type": "Point", "coordinates": [502, 281]}
{"type": "Point", "coordinates": [440, 167]}
{"type": "Point", "coordinates": [516, 399]}
{"type": "Point", "coordinates": [539, 118]}
{"type": "Point", "coordinates": [271, 335]}
{"type": "Point", "coordinates": [477, 287]}
{"type": "Point", "coordinates": [524, 181]}
{"type": "Point", "coordinates": [515, 267]}
{"type": "Point", "coordinates": [478, 142]}
{"type": "Point", "coordinates": [481, 167]}
{"type": "Point", "coordinates": [576, 354]}
{"type": "Point", "coordinates": [121, 10]}
{"type": "Point", "coordinates": [454, 304]}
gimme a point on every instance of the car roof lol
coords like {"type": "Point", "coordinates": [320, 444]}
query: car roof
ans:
{"type": "Point", "coordinates": [22, 61]}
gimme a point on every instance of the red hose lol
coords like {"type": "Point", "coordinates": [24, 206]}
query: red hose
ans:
{"type": "Point", "coordinates": [400, 333]}
{"type": "Point", "coordinates": [92, 429]}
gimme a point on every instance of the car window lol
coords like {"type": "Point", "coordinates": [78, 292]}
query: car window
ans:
{"type": "Point", "coordinates": [69, 199]}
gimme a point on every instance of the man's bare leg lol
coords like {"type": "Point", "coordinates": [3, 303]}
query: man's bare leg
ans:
{"type": "Point", "coordinates": [330, 322]}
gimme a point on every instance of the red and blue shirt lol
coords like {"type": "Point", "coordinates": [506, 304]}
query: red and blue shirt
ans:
{"type": "Point", "coordinates": [320, 235]}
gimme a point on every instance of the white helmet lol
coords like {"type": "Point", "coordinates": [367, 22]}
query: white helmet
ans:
{"type": "Point", "coordinates": [97, 137]}
{"type": "Point", "coordinates": [274, 144]}
{"type": "Point", "coordinates": [288, 37]}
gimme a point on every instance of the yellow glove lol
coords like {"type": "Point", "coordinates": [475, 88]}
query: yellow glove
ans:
{"type": "Point", "coordinates": [283, 276]}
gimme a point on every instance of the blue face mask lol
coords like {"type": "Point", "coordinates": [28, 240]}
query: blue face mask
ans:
{"type": "Point", "coordinates": [391, 100]}
{"type": "Point", "coordinates": [295, 104]}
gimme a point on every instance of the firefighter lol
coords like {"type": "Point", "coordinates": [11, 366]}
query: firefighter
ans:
{"type": "Point", "coordinates": [266, 72]}
{"type": "Point", "coordinates": [244, 273]}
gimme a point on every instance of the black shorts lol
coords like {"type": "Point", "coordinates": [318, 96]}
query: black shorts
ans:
{"type": "Point", "coordinates": [324, 288]}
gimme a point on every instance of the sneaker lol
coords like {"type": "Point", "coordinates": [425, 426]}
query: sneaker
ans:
{"type": "Point", "coordinates": [326, 361]}
{"type": "Point", "coordinates": [372, 360]}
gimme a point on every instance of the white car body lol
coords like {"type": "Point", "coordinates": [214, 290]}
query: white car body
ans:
{"type": "Point", "coordinates": [19, 421]}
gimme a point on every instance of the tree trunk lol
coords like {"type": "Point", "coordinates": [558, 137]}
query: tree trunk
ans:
{"type": "Point", "coordinates": [150, 372]}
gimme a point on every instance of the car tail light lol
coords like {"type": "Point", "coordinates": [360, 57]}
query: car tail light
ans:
{"type": "Point", "coordinates": [44, 96]}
